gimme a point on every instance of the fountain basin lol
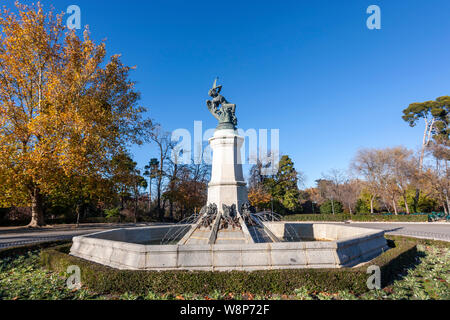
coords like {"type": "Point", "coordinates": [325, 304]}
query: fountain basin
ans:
{"type": "Point", "coordinates": [318, 246]}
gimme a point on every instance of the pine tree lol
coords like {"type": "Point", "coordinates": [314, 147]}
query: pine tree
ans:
{"type": "Point", "coordinates": [284, 185]}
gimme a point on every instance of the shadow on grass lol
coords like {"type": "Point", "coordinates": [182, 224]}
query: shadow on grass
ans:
{"type": "Point", "coordinates": [397, 269]}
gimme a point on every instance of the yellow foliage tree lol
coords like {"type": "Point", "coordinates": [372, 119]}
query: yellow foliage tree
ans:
{"type": "Point", "coordinates": [64, 111]}
{"type": "Point", "coordinates": [258, 197]}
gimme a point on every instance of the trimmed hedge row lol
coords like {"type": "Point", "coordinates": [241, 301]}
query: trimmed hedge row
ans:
{"type": "Point", "coordinates": [20, 250]}
{"type": "Point", "coordinates": [105, 280]}
{"type": "Point", "coordinates": [357, 218]}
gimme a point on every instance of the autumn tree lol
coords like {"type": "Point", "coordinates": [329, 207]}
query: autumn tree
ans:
{"type": "Point", "coordinates": [64, 110]}
{"type": "Point", "coordinates": [258, 193]}
{"type": "Point", "coordinates": [330, 186]}
{"type": "Point", "coordinates": [369, 164]}
{"type": "Point", "coordinates": [349, 195]}
{"type": "Point", "coordinates": [259, 197]}
{"type": "Point", "coordinates": [187, 188]}
{"type": "Point", "coordinates": [438, 173]}
{"type": "Point", "coordinates": [138, 183]}
{"type": "Point", "coordinates": [164, 146]}
{"type": "Point", "coordinates": [404, 171]}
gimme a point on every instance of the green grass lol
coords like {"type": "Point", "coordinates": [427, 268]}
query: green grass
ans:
{"type": "Point", "coordinates": [21, 277]}
{"type": "Point", "coordinates": [425, 276]}
{"type": "Point", "coordinates": [356, 218]}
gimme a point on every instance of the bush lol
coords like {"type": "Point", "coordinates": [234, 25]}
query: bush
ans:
{"type": "Point", "coordinates": [20, 250]}
{"type": "Point", "coordinates": [362, 207]}
{"type": "Point", "coordinates": [112, 213]}
{"type": "Point", "coordinates": [356, 218]}
{"type": "Point", "coordinates": [105, 280]}
{"type": "Point", "coordinates": [327, 207]}
{"type": "Point", "coordinates": [318, 217]}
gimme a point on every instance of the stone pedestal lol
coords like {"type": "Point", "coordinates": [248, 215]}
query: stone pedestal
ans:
{"type": "Point", "coordinates": [227, 184]}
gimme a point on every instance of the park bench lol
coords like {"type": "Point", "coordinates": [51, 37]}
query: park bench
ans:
{"type": "Point", "coordinates": [438, 217]}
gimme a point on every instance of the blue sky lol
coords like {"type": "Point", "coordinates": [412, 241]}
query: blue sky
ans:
{"type": "Point", "coordinates": [309, 68]}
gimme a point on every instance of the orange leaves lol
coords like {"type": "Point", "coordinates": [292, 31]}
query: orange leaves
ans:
{"type": "Point", "coordinates": [258, 197]}
{"type": "Point", "coordinates": [62, 113]}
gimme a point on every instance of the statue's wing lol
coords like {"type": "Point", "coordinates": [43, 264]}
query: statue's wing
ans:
{"type": "Point", "coordinates": [212, 109]}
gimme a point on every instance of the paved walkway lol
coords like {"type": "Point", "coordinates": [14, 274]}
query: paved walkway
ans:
{"type": "Point", "coordinates": [16, 236]}
{"type": "Point", "coordinates": [433, 231]}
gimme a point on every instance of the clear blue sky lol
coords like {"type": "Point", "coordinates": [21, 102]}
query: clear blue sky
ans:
{"type": "Point", "coordinates": [309, 68]}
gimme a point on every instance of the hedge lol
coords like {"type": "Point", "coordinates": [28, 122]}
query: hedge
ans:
{"type": "Point", "coordinates": [356, 218]}
{"type": "Point", "coordinates": [23, 249]}
{"type": "Point", "coordinates": [105, 280]}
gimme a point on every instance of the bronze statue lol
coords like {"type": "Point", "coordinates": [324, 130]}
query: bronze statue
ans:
{"type": "Point", "coordinates": [225, 114]}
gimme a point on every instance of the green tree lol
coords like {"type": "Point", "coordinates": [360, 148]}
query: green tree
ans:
{"type": "Point", "coordinates": [284, 185]}
{"type": "Point", "coordinates": [327, 207]}
{"type": "Point", "coordinates": [127, 179]}
{"type": "Point", "coordinates": [362, 206]}
{"type": "Point", "coordinates": [436, 115]}
{"type": "Point", "coordinates": [367, 203]}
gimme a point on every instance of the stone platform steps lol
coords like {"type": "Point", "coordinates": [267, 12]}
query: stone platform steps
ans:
{"type": "Point", "coordinates": [199, 236]}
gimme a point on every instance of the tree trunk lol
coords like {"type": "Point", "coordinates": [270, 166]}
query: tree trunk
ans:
{"type": "Point", "coordinates": [448, 203]}
{"type": "Point", "coordinates": [135, 209]}
{"type": "Point", "coordinates": [171, 210]}
{"type": "Point", "coordinates": [37, 212]}
{"type": "Point", "coordinates": [160, 177]}
{"type": "Point", "coordinates": [426, 140]}
{"type": "Point", "coordinates": [406, 204]}
{"type": "Point", "coordinates": [161, 212]}
{"type": "Point", "coordinates": [416, 200]}
{"type": "Point", "coordinates": [78, 209]}
{"type": "Point", "coordinates": [395, 207]}
{"type": "Point", "coordinates": [371, 204]}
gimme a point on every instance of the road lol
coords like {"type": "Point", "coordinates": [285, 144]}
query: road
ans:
{"type": "Point", "coordinates": [433, 231]}
{"type": "Point", "coordinates": [17, 236]}
{"type": "Point", "coordinates": [10, 237]}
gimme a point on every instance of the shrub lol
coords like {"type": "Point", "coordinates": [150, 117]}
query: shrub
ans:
{"type": "Point", "coordinates": [112, 213]}
{"type": "Point", "coordinates": [19, 250]}
{"type": "Point", "coordinates": [356, 218]}
{"type": "Point", "coordinates": [362, 207]}
{"type": "Point", "coordinates": [327, 207]}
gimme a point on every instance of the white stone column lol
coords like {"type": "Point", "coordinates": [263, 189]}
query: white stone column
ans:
{"type": "Point", "coordinates": [227, 184]}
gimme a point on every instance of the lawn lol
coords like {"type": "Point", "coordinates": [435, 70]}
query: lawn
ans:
{"type": "Point", "coordinates": [23, 278]}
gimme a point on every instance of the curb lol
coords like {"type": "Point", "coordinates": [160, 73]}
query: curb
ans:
{"type": "Point", "coordinates": [385, 222]}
